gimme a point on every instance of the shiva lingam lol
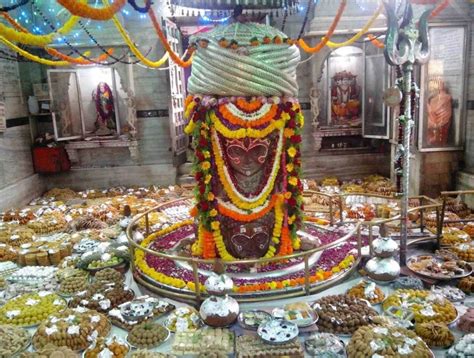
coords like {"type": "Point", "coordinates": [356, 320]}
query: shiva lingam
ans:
{"type": "Point", "coordinates": [246, 125]}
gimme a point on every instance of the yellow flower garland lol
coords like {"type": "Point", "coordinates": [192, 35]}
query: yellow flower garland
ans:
{"type": "Point", "coordinates": [32, 57]}
{"type": "Point", "coordinates": [141, 263]}
{"type": "Point", "coordinates": [37, 40]}
{"type": "Point", "coordinates": [320, 275]}
{"type": "Point", "coordinates": [133, 48]}
{"type": "Point", "coordinates": [247, 132]}
{"type": "Point", "coordinates": [235, 199]}
{"type": "Point", "coordinates": [361, 33]}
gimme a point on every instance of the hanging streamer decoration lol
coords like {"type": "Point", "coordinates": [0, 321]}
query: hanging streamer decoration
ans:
{"type": "Point", "coordinates": [358, 35]}
{"type": "Point", "coordinates": [176, 59]}
{"type": "Point", "coordinates": [330, 32]}
{"type": "Point", "coordinates": [133, 48]}
{"type": "Point", "coordinates": [13, 7]}
{"type": "Point", "coordinates": [89, 12]}
{"type": "Point", "coordinates": [142, 9]}
{"type": "Point", "coordinates": [104, 50]}
{"type": "Point", "coordinates": [85, 60]}
{"type": "Point", "coordinates": [36, 40]}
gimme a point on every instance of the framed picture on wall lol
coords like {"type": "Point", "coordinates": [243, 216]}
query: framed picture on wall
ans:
{"type": "Point", "coordinates": [443, 89]}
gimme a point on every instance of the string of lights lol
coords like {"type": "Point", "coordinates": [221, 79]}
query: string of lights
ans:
{"type": "Point", "coordinates": [15, 6]}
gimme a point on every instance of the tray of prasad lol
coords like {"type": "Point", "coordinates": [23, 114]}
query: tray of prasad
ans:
{"type": "Point", "coordinates": [253, 318]}
{"type": "Point", "coordinates": [435, 335]}
{"type": "Point", "coordinates": [50, 351]}
{"type": "Point", "coordinates": [217, 341]}
{"type": "Point", "coordinates": [451, 293]}
{"type": "Point", "coordinates": [368, 291]}
{"type": "Point", "coordinates": [384, 341]}
{"type": "Point", "coordinates": [464, 251]}
{"type": "Point", "coordinates": [13, 340]}
{"type": "Point", "coordinates": [72, 328]}
{"type": "Point", "coordinates": [148, 335]}
{"type": "Point", "coordinates": [425, 306]}
{"type": "Point", "coordinates": [253, 347]}
{"type": "Point", "coordinates": [111, 348]}
{"type": "Point", "coordinates": [299, 313]}
{"type": "Point", "coordinates": [342, 314]}
{"type": "Point", "coordinates": [31, 309]}
{"type": "Point", "coordinates": [160, 308]}
{"type": "Point", "coordinates": [144, 307]}
{"type": "Point", "coordinates": [102, 297]}
{"type": "Point", "coordinates": [436, 268]}
{"type": "Point", "coordinates": [183, 319]}
{"type": "Point", "coordinates": [277, 331]}
{"type": "Point", "coordinates": [325, 345]}
{"type": "Point", "coordinates": [463, 348]}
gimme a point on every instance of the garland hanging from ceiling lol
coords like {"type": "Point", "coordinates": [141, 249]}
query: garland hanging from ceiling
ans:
{"type": "Point", "coordinates": [9, 35]}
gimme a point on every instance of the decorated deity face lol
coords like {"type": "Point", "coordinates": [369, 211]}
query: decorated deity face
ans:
{"type": "Point", "coordinates": [249, 240]}
{"type": "Point", "coordinates": [346, 81]}
{"type": "Point", "coordinates": [102, 88]}
{"type": "Point", "coordinates": [248, 155]}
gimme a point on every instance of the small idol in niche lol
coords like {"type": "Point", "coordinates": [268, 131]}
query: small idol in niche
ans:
{"type": "Point", "coordinates": [440, 113]}
{"type": "Point", "coordinates": [104, 105]}
{"type": "Point", "coordinates": [345, 99]}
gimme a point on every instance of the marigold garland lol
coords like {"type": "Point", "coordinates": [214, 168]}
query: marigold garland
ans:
{"type": "Point", "coordinates": [226, 111]}
{"type": "Point", "coordinates": [133, 48]}
{"type": "Point", "coordinates": [251, 106]}
{"type": "Point", "coordinates": [358, 35]}
{"type": "Point", "coordinates": [254, 215]}
{"type": "Point", "coordinates": [247, 132]}
{"type": "Point", "coordinates": [80, 9]}
{"type": "Point", "coordinates": [56, 53]}
{"type": "Point", "coordinates": [176, 59]}
{"type": "Point", "coordinates": [32, 57]}
{"type": "Point", "coordinates": [235, 197]}
{"type": "Point", "coordinates": [36, 40]}
{"type": "Point", "coordinates": [142, 265]}
{"type": "Point", "coordinates": [329, 33]}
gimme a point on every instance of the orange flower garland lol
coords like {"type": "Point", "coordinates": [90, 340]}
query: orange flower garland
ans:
{"type": "Point", "coordinates": [264, 119]}
{"type": "Point", "coordinates": [376, 42]}
{"type": "Point", "coordinates": [276, 198]}
{"type": "Point", "coordinates": [176, 59]}
{"type": "Point", "coordinates": [286, 245]}
{"type": "Point", "coordinates": [56, 53]}
{"type": "Point", "coordinates": [251, 106]}
{"type": "Point", "coordinates": [328, 35]}
{"type": "Point", "coordinates": [83, 10]}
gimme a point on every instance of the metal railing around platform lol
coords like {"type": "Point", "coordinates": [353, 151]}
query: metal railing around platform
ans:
{"type": "Point", "coordinates": [197, 295]}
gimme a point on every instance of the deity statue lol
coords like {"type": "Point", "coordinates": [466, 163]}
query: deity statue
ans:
{"type": "Point", "coordinates": [246, 125]}
{"type": "Point", "coordinates": [104, 104]}
{"type": "Point", "coordinates": [345, 102]}
{"type": "Point", "coordinates": [440, 113]}
{"type": "Point", "coordinates": [248, 161]}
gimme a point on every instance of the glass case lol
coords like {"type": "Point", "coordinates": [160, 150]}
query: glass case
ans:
{"type": "Point", "coordinates": [443, 80]}
{"type": "Point", "coordinates": [88, 103]}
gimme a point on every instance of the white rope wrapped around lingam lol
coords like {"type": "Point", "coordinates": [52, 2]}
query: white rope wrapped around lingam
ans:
{"type": "Point", "coordinates": [264, 70]}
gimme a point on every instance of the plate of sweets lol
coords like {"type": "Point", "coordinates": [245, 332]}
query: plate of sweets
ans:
{"type": "Point", "coordinates": [253, 318]}
{"type": "Point", "coordinates": [299, 313]}
{"type": "Point", "coordinates": [384, 341]}
{"type": "Point", "coordinates": [438, 268]}
{"type": "Point", "coordinates": [113, 347]}
{"type": "Point", "coordinates": [31, 309]}
{"type": "Point", "coordinates": [277, 331]}
{"type": "Point", "coordinates": [424, 306]}
{"type": "Point", "coordinates": [368, 291]}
